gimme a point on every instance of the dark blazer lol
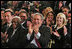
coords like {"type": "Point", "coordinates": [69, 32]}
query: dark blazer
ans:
{"type": "Point", "coordinates": [4, 28]}
{"type": "Point", "coordinates": [19, 40]}
{"type": "Point", "coordinates": [60, 42]}
{"type": "Point", "coordinates": [44, 38]}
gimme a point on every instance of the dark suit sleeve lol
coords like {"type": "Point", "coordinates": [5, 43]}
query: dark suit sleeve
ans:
{"type": "Point", "coordinates": [23, 39]}
{"type": "Point", "coordinates": [45, 36]}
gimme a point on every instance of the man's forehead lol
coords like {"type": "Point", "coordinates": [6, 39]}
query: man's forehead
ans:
{"type": "Point", "coordinates": [37, 16]}
{"type": "Point", "coordinates": [8, 13]}
{"type": "Point", "coordinates": [23, 13]}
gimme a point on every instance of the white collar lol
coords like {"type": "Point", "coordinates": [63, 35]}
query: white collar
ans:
{"type": "Point", "coordinates": [23, 22]}
{"type": "Point", "coordinates": [9, 24]}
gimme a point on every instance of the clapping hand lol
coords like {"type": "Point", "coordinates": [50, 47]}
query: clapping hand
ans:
{"type": "Point", "coordinates": [36, 28]}
{"type": "Point", "coordinates": [30, 28]}
{"type": "Point", "coordinates": [65, 30]}
{"type": "Point", "coordinates": [4, 36]}
{"type": "Point", "coordinates": [56, 33]}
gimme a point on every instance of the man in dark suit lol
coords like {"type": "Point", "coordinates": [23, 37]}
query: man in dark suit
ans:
{"type": "Point", "coordinates": [16, 35]}
{"type": "Point", "coordinates": [8, 18]}
{"type": "Point", "coordinates": [40, 34]}
{"type": "Point", "coordinates": [23, 15]}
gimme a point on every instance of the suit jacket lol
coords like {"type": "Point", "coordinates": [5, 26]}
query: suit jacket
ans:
{"type": "Point", "coordinates": [4, 28]}
{"type": "Point", "coordinates": [60, 42]}
{"type": "Point", "coordinates": [19, 39]}
{"type": "Point", "coordinates": [44, 38]}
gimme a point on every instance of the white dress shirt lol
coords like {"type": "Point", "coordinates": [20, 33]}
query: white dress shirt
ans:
{"type": "Point", "coordinates": [12, 34]}
{"type": "Point", "coordinates": [22, 24]}
{"type": "Point", "coordinates": [33, 41]}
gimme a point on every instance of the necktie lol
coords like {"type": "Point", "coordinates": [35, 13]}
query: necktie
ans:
{"type": "Point", "coordinates": [39, 46]}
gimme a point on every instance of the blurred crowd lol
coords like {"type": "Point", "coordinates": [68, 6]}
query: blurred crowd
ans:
{"type": "Point", "coordinates": [35, 24]}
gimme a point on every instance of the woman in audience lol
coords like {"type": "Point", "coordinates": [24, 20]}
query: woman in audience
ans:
{"type": "Point", "coordinates": [49, 20]}
{"type": "Point", "coordinates": [59, 31]}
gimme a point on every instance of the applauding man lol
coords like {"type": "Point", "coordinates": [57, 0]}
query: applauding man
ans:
{"type": "Point", "coordinates": [39, 33]}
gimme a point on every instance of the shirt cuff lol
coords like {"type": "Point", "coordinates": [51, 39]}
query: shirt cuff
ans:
{"type": "Point", "coordinates": [65, 33]}
{"type": "Point", "coordinates": [37, 35]}
{"type": "Point", "coordinates": [28, 36]}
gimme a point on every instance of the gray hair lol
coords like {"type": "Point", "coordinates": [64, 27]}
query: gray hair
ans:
{"type": "Point", "coordinates": [42, 17]}
{"type": "Point", "coordinates": [17, 17]}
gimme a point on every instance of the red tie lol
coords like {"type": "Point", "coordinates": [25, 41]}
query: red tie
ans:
{"type": "Point", "coordinates": [39, 46]}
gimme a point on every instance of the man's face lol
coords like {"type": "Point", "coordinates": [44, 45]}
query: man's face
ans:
{"type": "Point", "coordinates": [23, 16]}
{"type": "Point", "coordinates": [37, 20]}
{"type": "Point", "coordinates": [15, 22]}
{"type": "Point", "coordinates": [65, 11]}
{"type": "Point", "coordinates": [2, 15]}
{"type": "Point", "coordinates": [8, 17]}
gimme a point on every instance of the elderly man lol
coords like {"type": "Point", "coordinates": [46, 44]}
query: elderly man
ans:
{"type": "Point", "coordinates": [39, 33]}
{"type": "Point", "coordinates": [16, 34]}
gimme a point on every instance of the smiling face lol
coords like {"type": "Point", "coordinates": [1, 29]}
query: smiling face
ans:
{"type": "Point", "coordinates": [50, 17]}
{"type": "Point", "coordinates": [23, 16]}
{"type": "Point", "coordinates": [37, 20]}
{"type": "Point", "coordinates": [15, 22]}
{"type": "Point", "coordinates": [59, 20]}
{"type": "Point", "coordinates": [8, 17]}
